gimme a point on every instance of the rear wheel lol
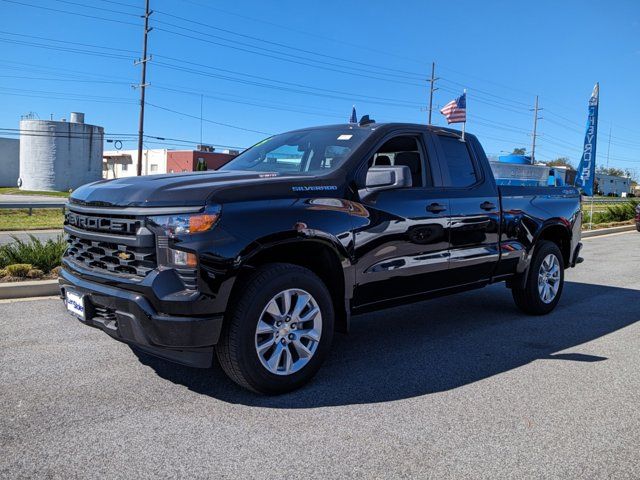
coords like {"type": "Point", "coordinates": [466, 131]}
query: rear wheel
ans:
{"type": "Point", "coordinates": [279, 330]}
{"type": "Point", "coordinates": [544, 282]}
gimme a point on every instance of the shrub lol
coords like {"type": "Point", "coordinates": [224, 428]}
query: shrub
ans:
{"type": "Point", "coordinates": [35, 273]}
{"type": "Point", "coordinates": [616, 213]}
{"type": "Point", "coordinates": [18, 269]}
{"type": "Point", "coordinates": [41, 255]}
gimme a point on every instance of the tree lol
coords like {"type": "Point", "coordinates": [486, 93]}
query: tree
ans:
{"type": "Point", "coordinates": [201, 166]}
{"type": "Point", "coordinates": [561, 162]}
{"type": "Point", "coordinates": [519, 151]}
{"type": "Point", "coordinates": [616, 172]}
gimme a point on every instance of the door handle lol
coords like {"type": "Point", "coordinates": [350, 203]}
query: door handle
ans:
{"type": "Point", "coordinates": [436, 208]}
{"type": "Point", "coordinates": [487, 206]}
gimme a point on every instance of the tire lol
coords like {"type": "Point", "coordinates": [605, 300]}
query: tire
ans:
{"type": "Point", "coordinates": [535, 300]}
{"type": "Point", "coordinates": [249, 357]}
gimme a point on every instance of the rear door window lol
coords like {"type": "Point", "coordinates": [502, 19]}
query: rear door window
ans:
{"type": "Point", "coordinates": [458, 162]}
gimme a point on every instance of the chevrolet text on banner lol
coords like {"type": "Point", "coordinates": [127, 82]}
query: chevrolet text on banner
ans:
{"type": "Point", "coordinates": [587, 168]}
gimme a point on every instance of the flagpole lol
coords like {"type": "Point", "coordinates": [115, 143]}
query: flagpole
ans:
{"type": "Point", "coordinates": [464, 124]}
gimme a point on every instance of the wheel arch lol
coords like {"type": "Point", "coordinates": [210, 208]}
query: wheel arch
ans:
{"type": "Point", "coordinates": [559, 233]}
{"type": "Point", "coordinates": [325, 257]}
{"type": "Point", "coordinates": [555, 231]}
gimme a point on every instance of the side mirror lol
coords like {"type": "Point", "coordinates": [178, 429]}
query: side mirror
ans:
{"type": "Point", "coordinates": [386, 178]}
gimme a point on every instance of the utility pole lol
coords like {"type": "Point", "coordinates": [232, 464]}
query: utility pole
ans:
{"type": "Point", "coordinates": [536, 109]}
{"type": "Point", "coordinates": [201, 102]}
{"type": "Point", "coordinates": [432, 89]}
{"type": "Point", "coordinates": [609, 147]}
{"type": "Point", "coordinates": [143, 85]}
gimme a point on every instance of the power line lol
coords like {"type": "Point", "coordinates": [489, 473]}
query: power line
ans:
{"type": "Point", "coordinates": [64, 49]}
{"type": "Point", "coordinates": [279, 56]}
{"type": "Point", "coordinates": [307, 33]}
{"type": "Point", "coordinates": [208, 120]}
{"type": "Point", "coordinates": [124, 137]}
{"type": "Point", "coordinates": [62, 96]}
{"type": "Point", "coordinates": [249, 103]}
{"type": "Point", "coordinates": [405, 74]}
{"type": "Point", "coordinates": [122, 4]}
{"type": "Point", "coordinates": [71, 13]}
{"type": "Point", "coordinates": [317, 91]}
{"type": "Point", "coordinates": [49, 39]}
{"type": "Point", "coordinates": [94, 7]}
{"type": "Point", "coordinates": [64, 79]}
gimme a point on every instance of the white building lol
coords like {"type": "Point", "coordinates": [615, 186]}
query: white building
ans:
{"type": "Point", "coordinates": [124, 163]}
{"type": "Point", "coordinates": [9, 162]}
{"type": "Point", "coordinates": [611, 184]}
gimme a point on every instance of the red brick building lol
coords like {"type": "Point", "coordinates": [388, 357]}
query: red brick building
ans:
{"type": "Point", "coordinates": [187, 160]}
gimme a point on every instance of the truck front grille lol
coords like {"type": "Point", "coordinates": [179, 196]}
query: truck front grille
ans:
{"type": "Point", "coordinates": [111, 257]}
{"type": "Point", "coordinates": [114, 244]}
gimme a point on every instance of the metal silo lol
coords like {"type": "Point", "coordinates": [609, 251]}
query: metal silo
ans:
{"type": "Point", "coordinates": [59, 155]}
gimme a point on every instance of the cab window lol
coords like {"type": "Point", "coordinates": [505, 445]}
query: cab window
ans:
{"type": "Point", "coordinates": [404, 150]}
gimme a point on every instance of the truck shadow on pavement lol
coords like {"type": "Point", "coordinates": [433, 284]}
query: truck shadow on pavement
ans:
{"type": "Point", "coordinates": [435, 346]}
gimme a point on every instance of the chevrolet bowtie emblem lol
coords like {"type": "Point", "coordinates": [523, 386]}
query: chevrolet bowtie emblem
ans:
{"type": "Point", "coordinates": [124, 256]}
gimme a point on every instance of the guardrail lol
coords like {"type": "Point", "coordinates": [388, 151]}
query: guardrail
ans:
{"type": "Point", "coordinates": [608, 200]}
{"type": "Point", "coordinates": [31, 205]}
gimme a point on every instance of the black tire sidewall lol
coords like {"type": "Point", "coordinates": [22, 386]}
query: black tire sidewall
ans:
{"type": "Point", "coordinates": [247, 357]}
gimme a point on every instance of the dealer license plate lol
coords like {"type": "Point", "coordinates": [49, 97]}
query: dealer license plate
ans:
{"type": "Point", "coordinates": [75, 303]}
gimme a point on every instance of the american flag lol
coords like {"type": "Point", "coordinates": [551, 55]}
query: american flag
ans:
{"type": "Point", "coordinates": [456, 110]}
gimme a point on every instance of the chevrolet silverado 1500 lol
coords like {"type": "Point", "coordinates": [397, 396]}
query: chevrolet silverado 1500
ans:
{"type": "Point", "coordinates": [261, 261]}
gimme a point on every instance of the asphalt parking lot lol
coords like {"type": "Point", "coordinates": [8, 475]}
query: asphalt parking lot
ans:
{"type": "Point", "coordinates": [459, 387]}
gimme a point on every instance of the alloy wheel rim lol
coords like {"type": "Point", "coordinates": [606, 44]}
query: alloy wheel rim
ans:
{"type": "Point", "coordinates": [288, 331]}
{"type": "Point", "coordinates": [549, 278]}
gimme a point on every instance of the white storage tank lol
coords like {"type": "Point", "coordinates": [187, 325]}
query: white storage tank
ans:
{"type": "Point", "coordinates": [59, 155]}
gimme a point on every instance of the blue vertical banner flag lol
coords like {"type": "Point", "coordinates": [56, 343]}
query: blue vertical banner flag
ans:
{"type": "Point", "coordinates": [587, 168]}
{"type": "Point", "coordinates": [354, 117]}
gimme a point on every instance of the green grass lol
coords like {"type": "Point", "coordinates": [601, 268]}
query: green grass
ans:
{"type": "Point", "coordinates": [19, 219]}
{"type": "Point", "coordinates": [17, 191]}
{"type": "Point", "coordinates": [44, 256]}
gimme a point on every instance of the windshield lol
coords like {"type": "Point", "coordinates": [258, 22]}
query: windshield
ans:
{"type": "Point", "coordinates": [303, 152]}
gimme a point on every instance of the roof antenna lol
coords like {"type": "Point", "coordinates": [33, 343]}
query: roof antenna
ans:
{"type": "Point", "coordinates": [365, 120]}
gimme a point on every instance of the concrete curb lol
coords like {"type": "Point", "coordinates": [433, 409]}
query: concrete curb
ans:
{"type": "Point", "coordinates": [607, 231]}
{"type": "Point", "coordinates": [32, 288]}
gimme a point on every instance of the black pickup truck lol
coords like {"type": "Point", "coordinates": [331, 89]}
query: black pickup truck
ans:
{"type": "Point", "coordinates": [261, 261]}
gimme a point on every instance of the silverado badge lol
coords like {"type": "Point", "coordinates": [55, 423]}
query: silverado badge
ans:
{"type": "Point", "coordinates": [124, 256]}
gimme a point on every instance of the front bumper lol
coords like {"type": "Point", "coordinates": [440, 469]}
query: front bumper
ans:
{"type": "Point", "coordinates": [130, 317]}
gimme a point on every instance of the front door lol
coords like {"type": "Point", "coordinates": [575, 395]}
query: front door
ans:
{"type": "Point", "coordinates": [402, 235]}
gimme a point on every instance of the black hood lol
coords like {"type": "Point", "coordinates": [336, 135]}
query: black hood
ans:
{"type": "Point", "coordinates": [187, 189]}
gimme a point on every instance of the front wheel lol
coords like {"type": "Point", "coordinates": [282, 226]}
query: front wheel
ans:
{"type": "Point", "coordinates": [544, 282]}
{"type": "Point", "coordinates": [278, 330]}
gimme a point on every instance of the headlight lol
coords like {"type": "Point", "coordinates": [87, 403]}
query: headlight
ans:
{"type": "Point", "coordinates": [186, 223]}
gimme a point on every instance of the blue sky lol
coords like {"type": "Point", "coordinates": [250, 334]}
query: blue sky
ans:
{"type": "Point", "coordinates": [271, 66]}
